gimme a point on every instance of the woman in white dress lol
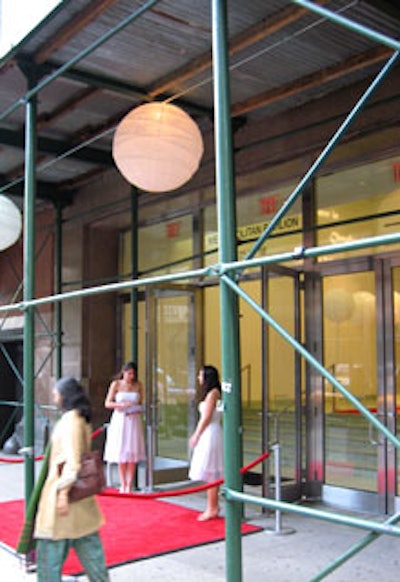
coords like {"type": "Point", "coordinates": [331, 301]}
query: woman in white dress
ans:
{"type": "Point", "coordinates": [125, 441]}
{"type": "Point", "coordinates": [206, 441]}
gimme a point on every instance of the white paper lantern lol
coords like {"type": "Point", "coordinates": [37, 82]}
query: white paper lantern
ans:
{"type": "Point", "coordinates": [10, 223]}
{"type": "Point", "coordinates": [157, 147]}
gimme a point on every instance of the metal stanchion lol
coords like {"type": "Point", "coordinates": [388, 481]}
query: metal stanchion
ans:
{"type": "Point", "coordinates": [279, 530]}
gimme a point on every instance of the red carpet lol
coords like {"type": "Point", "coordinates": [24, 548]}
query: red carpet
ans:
{"type": "Point", "coordinates": [135, 529]}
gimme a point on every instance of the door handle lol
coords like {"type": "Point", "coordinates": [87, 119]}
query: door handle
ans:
{"type": "Point", "coordinates": [371, 439]}
{"type": "Point", "coordinates": [374, 442]}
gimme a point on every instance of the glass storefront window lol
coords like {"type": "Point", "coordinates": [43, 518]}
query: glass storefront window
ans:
{"type": "Point", "coordinates": [281, 371]}
{"type": "Point", "coordinates": [357, 203]}
{"type": "Point", "coordinates": [254, 213]}
{"type": "Point", "coordinates": [166, 247]}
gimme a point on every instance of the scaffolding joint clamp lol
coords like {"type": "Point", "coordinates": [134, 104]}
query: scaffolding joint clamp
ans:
{"type": "Point", "coordinates": [298, 252]}
{"type": "Point", "coordinates": [26, 451]}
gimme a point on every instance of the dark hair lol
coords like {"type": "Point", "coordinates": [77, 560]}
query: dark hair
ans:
{"type": "Point", "coordinates": [73, 397]}
{"type": "Point", "coordinates": [211, 380]}
{"type": "Point", "coordinates": [125, 368]}
{"type": "Point", "coordinates": [129, 366]}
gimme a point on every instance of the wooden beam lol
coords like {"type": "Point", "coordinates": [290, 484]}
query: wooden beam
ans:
{"type": "Point", "coordinates": [46, 119]}
{"type": "Point", "coordinates": [356, 63]}
{"type": "Point", "coordinates": [250, 36]}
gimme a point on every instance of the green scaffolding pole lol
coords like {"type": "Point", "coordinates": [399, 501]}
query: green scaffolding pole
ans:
{"type": "Point", "coordinates": [353, 550]}
{"type": "Point", "coordinates": [29, 292]}
{"type": "Point", "coordinates": [111, 287]}
{"type": "Point", "coordinates": [365, 524]}
{"type": "Point", "coordinates": [350, 24]}
{"type": "Point", "coordinates": [225, 193]}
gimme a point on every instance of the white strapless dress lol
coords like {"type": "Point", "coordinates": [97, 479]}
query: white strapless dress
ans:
{"type": "Point", "coordinates": [125, 441]}
{"type": "Point", "coordinates": [207, 459]}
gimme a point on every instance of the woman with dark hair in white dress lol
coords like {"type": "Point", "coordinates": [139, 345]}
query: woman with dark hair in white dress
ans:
{"type": "Point", "coordinates": [206, 441]}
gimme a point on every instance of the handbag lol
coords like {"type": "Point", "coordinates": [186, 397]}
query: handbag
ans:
{"type": "Point", "coordinates": [90, 478]}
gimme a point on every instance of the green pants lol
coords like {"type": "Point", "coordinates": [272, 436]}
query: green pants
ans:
{"type": "Point", "coordinates": [51, 555]}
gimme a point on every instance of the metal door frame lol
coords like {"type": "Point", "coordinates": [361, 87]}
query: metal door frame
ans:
{"type": "Point", "coordinates": [194, 360]}
{"type": "Point", "coordinates": [389, 499]}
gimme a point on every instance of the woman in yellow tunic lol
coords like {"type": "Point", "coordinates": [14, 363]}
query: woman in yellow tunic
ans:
{"type": "Point", "coordinates": [60, 524]}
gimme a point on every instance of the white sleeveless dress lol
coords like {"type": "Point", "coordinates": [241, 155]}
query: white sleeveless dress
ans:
{"type": "Point", "coordinates": [125, 441]}
{"type": "Point", "coordinates": [207, 459]}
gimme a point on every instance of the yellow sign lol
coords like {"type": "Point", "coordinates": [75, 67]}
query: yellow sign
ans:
{"type": "Point", "coordinates": [254, 231]}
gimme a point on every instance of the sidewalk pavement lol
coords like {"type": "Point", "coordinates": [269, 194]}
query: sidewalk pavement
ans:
{"type": "Point", "coordinates": [298, 556]}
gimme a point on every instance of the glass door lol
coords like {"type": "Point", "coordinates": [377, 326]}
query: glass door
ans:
{"type": "Point", "coordinates": [171, 370]}
{"type": "Point", "coordinates": [350, 353]}
{"type": "Point", "coordinates": [282, 380]}
{"type": "Point", "coordinates": [391, 300]}
{"type": "Point", "coordinates": [362, 349]}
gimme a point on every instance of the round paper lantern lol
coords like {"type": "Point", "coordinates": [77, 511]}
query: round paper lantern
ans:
{"type": "Point", "coordinates": [338, 305]}
{"type": "Point", "coordinates": [157, 147]}
{"type": "Point", "coordinates": [10, 223]}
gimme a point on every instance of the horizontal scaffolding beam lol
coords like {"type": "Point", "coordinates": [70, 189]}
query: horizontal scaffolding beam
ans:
{"type": "Point", "coordinates": [216, 270]}
{"type": "Point", "coordinates": [360, 523]}
{"type": "Point", "coordinates": [350, 24]}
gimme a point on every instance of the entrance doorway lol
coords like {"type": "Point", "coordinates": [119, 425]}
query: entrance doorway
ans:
{"type": "Point", "coordinates": [11, 389]}
{"type": "Point", "coordinates": [361, 318]}
{"type": "Point", "coordinates": [172, 355]}
{"type": "Point", "coordinates": [328, 449]}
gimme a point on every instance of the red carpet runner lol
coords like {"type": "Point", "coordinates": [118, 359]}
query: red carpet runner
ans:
{"type": "Point", "coordinates": [135, 529]}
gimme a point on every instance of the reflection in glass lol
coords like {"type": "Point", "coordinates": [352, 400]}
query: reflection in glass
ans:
{"type": "Point", "coordinates": [350, 354]}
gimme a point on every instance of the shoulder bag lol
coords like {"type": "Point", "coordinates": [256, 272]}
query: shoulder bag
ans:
{"type": "Point", "coordinates": [90, 478]}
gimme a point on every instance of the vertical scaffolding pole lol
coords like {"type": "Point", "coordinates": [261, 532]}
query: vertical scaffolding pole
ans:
{"type": "Point", "coordinates": [29, 290]}
{"type": "Point", "coordinates": [229, 299]}
{"type": "Point", "coordinates": [134, 269]}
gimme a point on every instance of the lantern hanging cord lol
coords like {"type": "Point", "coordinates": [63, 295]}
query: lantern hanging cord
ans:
{"type": "Point", "coordinates": [261, 52]}
{"type": "Point", "coordinates": [49, 163]}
